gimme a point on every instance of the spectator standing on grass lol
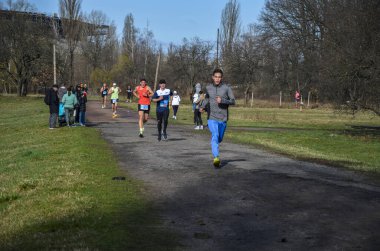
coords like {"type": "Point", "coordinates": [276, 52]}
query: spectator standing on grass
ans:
{"type": "Point", "coordinates": [78, 93]}
{"type": "Point", "coordinates": [52, 100]}
{"type": "Point", "coordinates": [198, 99]}
{"type": "Point", "coordinates": [176, 99]}
{"type": "Point", "coordinates": [219, 96]}
{"type": "Point", "coordinates": [61, 114]}
{"type": "Point", "coordinates": [61, 91]}
{"type": "Point", "coordinates": [69, 101]}
{"type": "Point", "coordinates": [82, 108]}
{"type": "Point", "coordinates": [197, 89]}
{"type": "Point", "coordinates": [297, 97]}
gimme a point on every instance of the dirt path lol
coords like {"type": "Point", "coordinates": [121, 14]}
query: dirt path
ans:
{"type": "Point", "coordinates": [256, 201]}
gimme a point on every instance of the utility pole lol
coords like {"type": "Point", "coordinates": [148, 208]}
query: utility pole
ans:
{"type": "Point", "coordinates": [146, 47]}
{"type": "Point", "coordinates": [56, 35]}
{"type": "Point", "coordinates": [54, 66]}
{"type": "Point", "coordinates": [217, 50]}
{"type": "Point", "coordinates": [157, 67]}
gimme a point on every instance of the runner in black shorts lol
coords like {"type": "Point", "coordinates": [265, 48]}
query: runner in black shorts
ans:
{"type": "Point", "coordinates": [143, 93]}
{"type": "Point", "coordinates": [143, 108]}
{"type": "Point", "coordinates": [104, 93]}
{"type": "Point", "coordinates": [129, 94]}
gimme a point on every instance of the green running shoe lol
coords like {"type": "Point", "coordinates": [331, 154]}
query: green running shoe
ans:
{"type": "Point", "coordinates": [216, 162]}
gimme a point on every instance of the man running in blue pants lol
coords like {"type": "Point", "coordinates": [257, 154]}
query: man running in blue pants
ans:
{"type": "Point", "coordinates": [219, 96]}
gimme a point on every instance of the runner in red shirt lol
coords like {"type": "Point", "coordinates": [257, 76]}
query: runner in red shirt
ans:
{"type": "Point", "coordinates": [143, 93]}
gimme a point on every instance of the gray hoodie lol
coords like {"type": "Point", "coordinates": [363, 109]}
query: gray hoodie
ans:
{"type": "Point", "coordinates": [217, 111]}
{"type": "Point", "coordinates": [61, 91]}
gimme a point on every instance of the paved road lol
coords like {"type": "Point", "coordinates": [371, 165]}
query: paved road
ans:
{"type": "Point", "coordinates": [256, 201]}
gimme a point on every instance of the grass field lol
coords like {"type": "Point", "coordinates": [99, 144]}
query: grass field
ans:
{"type": "Point", "coordinates": [319, 135]}
{"type": "Point", "coordinates": [57, 192]}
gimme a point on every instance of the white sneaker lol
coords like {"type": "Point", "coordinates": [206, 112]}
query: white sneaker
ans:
{"type": "Point", "coordinates": [175, 117]}
{"type": "Point", "coordinates": [196, 128]}
{"type": "Point", "coordinates": [201, 127]}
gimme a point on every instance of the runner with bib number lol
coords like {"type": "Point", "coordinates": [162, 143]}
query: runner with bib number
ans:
{"type": "Point", "coordinates": [104, 93]}
{"type": "Point", "coordinates": [162, 97]}
{"type": "Point", "coordinates": [114, 91]}
{"type": "Point", "coordinates": [143, 93]}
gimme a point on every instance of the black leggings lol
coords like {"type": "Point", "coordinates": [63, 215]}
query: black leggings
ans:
{"type": "Point", "coordinates": [175, 109]}
{"type": "Point", "coordinates": [162, 117]}
{"type": "Point", "coordinates": [198, 117]}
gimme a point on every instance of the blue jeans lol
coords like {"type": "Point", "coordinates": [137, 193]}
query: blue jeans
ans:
{"type": "Point", "coordinates": [53, 120]}
{"type": "Point", "coordinates": [217, 129]}
{"type": "Point", "coordinates": [82, 118]}
{"type": "Point", "coordinates": [68, 115]}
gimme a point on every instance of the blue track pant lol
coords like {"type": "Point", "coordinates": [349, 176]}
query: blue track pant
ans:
{"type": "Point", "coordinates": [217, 129]}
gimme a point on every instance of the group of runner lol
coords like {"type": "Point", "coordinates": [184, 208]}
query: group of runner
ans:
{"type": "Point", "coordinates": [218, 97]}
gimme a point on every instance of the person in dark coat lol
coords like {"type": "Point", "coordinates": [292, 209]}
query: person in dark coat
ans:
{"type": "Point", "coordinates": [82, 108]}
{"type": "Point", "coordinates": [78, 92]}
{"type": "Point", "coordinates": [53, 102]}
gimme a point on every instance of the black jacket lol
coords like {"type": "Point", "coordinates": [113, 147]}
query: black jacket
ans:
{"type": "Point", "coordinates": [53, 100]}
{"type": "Point", "coordinates": [82, 103]}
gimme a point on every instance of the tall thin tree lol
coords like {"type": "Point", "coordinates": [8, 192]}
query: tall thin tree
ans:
{"type": "Point", "coordinates": [230, 27]}
{"type": "Point", "coordinates": [129, 36]}
{"type": "Point", "coordinates": [71, 16]}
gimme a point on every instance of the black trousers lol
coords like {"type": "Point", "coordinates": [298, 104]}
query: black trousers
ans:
{"type": "Point", "coordinates": [198, 117]}
{"type": "Point", "coordinates": [162, 118]}
{"type": "Point", "coordinates": [77, 110]}
{"type": "Point", "coordinates": [175, 109]}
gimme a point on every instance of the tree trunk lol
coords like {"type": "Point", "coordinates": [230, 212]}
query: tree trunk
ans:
{"type": "Point", "coordinates": [5, 89]}
{"type": "Point", "coordinates": [246, 95]}
{"type": "Point", "coordinates": [71, 67]}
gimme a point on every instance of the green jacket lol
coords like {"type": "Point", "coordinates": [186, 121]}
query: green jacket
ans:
{"type": "Point", "coordinates": [69, 101]}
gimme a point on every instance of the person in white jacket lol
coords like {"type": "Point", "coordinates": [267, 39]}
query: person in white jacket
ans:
{"type": "Point", "coordinates": [176, 99]}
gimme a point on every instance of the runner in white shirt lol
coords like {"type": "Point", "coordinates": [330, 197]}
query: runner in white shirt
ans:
{"type": "Point", "coordinates": [175, 103]}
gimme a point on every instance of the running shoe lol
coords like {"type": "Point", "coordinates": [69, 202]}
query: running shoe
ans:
{"type": "Point", "coordinates": [216, 162]}
{"type": "Point", "coordinates": [165, 136]}
{"type": "Point", "coordinates": [141, 135]}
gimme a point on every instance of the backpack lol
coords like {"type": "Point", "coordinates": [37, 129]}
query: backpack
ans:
{"type": "Point", "coordinates": [47, 98]}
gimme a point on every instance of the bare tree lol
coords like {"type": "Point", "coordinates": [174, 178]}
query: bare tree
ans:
{"type": "Point", "coordinates": [71, 17]}
{"type": "Point", "coordinates": [325, 46]}
{"type": "Point", "coordinates": [129, 36]}
{"type": "Point", "coordinates": [95, 38]}
{"type": "Point", "coordinates": [246, 61]}
{"type": "Point", "coordinates": [352, 52]}
{"type": "Point", "coordinates": [230, 28]}
{"type": "Point", "coordinates": [111, 50]}
{"type": "Point", "coordinates": [25, 43]}
{"type": "Point", "coordinates": [189, 62]}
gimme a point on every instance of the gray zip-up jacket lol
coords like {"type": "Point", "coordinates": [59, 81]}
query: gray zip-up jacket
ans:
{"type": "Point", "coordinates": [217, 111]}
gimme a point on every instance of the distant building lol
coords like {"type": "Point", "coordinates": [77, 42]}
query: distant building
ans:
{"type": "Point", "coordinates": [54, 22]}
